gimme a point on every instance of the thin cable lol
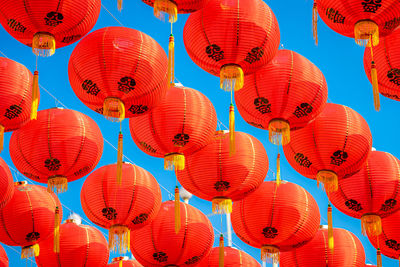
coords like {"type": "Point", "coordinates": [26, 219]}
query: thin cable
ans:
{"type": "Point", "coordinates": [19, 253]}
{"type": "Point", "coordinates": [112, 15]}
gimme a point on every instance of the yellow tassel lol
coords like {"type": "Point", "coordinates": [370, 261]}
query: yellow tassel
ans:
{"type": "Point", "coordinates": [330, 229]}
{"type": "Point", "coordinates": [232, 147]}
{"type": "Point", "coordinates": [222, 205]}
{"type": "Point", "coordinates": [279, 132]}
{"type": "Point", "coordinates": [120, 157]}
{"type": "Point", "coordinates": [231, 77]}
{"type": "Point", "coordinates": [371, 225]}
{"type": "Point", "coordinates": [177, 209]}
{"type": "Point", "coordinates": [221, 251]}
{"type": "Point", "coordinates": [1, 137]}
{"type": "Point", "coordinates": [329, 179]}
{"type": "Point", "coordinates": [375, 87]}
{"type": "Point", "coordinates": [278, 170]}
{"type": "Point", "coordinates": [162, 7]}
{"type": "Point", "coordinates": [119, 238]}
{"type": "Point", "coordinates": [120, 263]}
{"type": "Point", "coordinates": [365, 30]}
{"type": "Point", "coordinates": [57, 184]}
{"type": "Point", "coordinates": [270, 253]}
{"type": "Point", "coordinates": [35, 95]}
{"type": "Point", "coordinates": [119, 5]}
{"type": "Point", "coordinates": [174, 160]}
{"type": "Point", "coordinates": [378, 258]}
{"type": "Point", "coordinates": [57, 231]}
{"type": "Point", "coordinates": [30, 251]}
{"type": "Point", "coordinates": [113, 109]}
{"type": "Point", "coordinates": [315, 22]}
{"type": "Point", "coordinates": [171, 60]}
{"type": "Point", "coordinates": [43, 44]}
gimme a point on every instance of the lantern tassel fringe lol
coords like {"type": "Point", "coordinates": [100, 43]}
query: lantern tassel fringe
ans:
{"type": "Point", "coordinates": [119, 238]}
{"type": "Point", "coordinates": [375, 86]}
{"type": "Point", "coordinates": [329, 179]}
{"type": "Point", "coordinates": [113, 109]}
{"type": "Point", "coordinates": [171, 60]}
{"type": "Point", "coordinates": [330, 229]}
{"type": "Point", "coordinates": [221, 205]}
{"type": "Point", "coordinates": [278, 169]}
{"type": "Point", "coordinates": [35, 95]}
{"type": "Point", "coordinates": [174, 160]}
{"type": "Point", "coordinates": [43, 44]}
{"type": "Point", "coordinates": [119, 5]}
{"type": "Point", "coordinates": [120, 157]}
{"type": "Point", "coordinates": [365, 30]}
{"type": "Point", "coordinates": [315, 22]}
{"type": "Point", "coordinates": [120, 263]}
{"type": "Point", "coordinates": [57, 184]}
{"type": "Point", "coordinates": [231, 78]}
{"type": "Point", "coordinates": [279, 132]}
{"type": "Point", "coordinates": [270, 254]}
{"type": "Point", "coordinates": [371, 224]}
{"type": "Point", "coordinates": [56, 248]}
{"type": "Point", "coordinates": [221, 251]}
{"type": "Point", "coordinates": [162, 7]}
{"type": "Point", "coordinates": [378, 258]}
{"type": "Point", "coordinates": [30, 251]}
{"type": "Point", "coordinates": [1, 137]}
{"type": "Point", "coordinates": [232, 146]}
{"type": "Point", "coordinates": [177, 210]}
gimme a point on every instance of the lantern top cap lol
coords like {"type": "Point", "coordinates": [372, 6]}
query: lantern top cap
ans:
{"type": "Point", "coordinates": [123, 258]}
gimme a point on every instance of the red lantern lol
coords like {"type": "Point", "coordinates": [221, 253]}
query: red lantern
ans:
{"type": "Point", "coordinates": [3, 257]}
{"type": "Point", "coordinates": [371, 193]}
{"type": "Point", "coordinates": [284, 95]}
{"type": "Point", "coordinates": [80, 245]}
{"type": "Point", "coordinates": [348, 251]}
{"type": "Point", "coordinates": [276, 218]}
{"type": "Point", "coordinates": [184, 122]}
{"type": "Point", "coordinates": [15, 95]}
{"type": "Point", "coordinates": [132, 204]}
{"type": "Point", "coordinates": [335, 145]}
{"type": "Point", "coordinates": [387, 59]}
{"type": "Point", "coordinates": [29, 218]}
{"type": "Point", "coordinates": [173, 7]}
{"type": "Point", "coordinates": [124, 262]}
{"type": "Point", "coordinates": [232, 258]}
{"type": "Point", "coordinates": [6, 183]}
{"type": "Point", "coordinates": [68, 145]}
{"type": "Point", "coordinates": [157, 244]}
{"type": "Point", "coordinates": [213, 175]}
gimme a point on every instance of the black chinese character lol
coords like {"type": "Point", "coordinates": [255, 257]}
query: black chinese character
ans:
{"type": "Point", "coordinates": [32, 237]}
{"type": "Point", "coordinates": [148, 147]}
{"type": "Point", "coordinates": [353, 205]}
{"type": "Point", "coordinates": [394, 76]}
{"type": "Point", "coordinates": [52, 164]}
{"type": "Point", "coordinates": [303, 110]}
{"type": "Point", "coordinates": [160, 256]}
{"type": "Point", "coordinates": [391, 243]}
{"type": "Point", "coordinates": [126, 84]}
{"type": "Point", "coordinates": [215, 52]}
{"type": "Point", "coordinates": [53, 19]}
{"type": "Point", "coordinates": [16, 26]}
{"type": "Point", "coordinates": [109, 213]}
{"type": "Point", "coordinates": [181, 139]}
{"type": "Point", "coordinates": [90, 87]}
{"type": "Point", "coordinates": [262, 105]}
{"type": "Point", "coordinates": [69, 39]}
{"type": "Point", "coordinates": [193, 260]}
{"type": "Point", "coordinates": [335, 16]}
{"type": "Point", "coordinates": [302, 160]}
{"type": "Point", "coordinates": [254, 55]}
{"type": "Point", "coordinates": [270, 232]}
{"type": "Point", "coordinates": [138, 109]}
{"type": "Point", "coordinates": [371, 5]}
{"type": "Point", "coordinates": [392, 24]}
{"type": "Point", "coordinates": [13, 112]}
{"type": "Point", "coordinates": [141, 218]}
{"type": "Point", "coordinates": [221, 186]}
{"type": "Point", "coordinates": [389, 204]}
{"type": "Point", "coordinates": [339, 157]}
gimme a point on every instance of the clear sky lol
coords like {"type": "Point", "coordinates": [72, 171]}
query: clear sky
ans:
{"type": "Point", "coordinates": [338, 57]}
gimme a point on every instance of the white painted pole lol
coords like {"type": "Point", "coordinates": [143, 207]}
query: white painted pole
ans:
{"type": "Point", "coordinates": [229, 229]}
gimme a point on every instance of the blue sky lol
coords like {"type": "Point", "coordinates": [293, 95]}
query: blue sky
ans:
{"type": "Point", "coordinates": [338, 57]}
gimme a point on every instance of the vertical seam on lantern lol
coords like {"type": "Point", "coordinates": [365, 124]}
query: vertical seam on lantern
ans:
{"type": "Point", "coordinates": [237, 23]}
{"type": "Point", "coordinates": [321, 85]}
{"type": "Point", "coordinates": [240, 258]}
{"type": "Point", "coordinates": [104, 184]}
{"type": "Point", "coordinates": [387, 54]}
{"type": "Point", "coordinates": [184, 109]}
{"type": "Point", "coordinates": [185, 233]}
{"type": "Point", "coordinates": [202, 27]}
{"type": "Point", "coordinates": [347, 127]}
{"type": "Point", "coordinates": [87, 246]}
{"type": "Point", "coordinates": [252, 169]}
{"type": "Point", "coordinates": [83, 129]}
{"type": "Point", "coordinates": [140, 52]}
{"type": "Point", "coordinates": [325, 248]}
{"type": "Point", "coordinates": [156, 137]}
{"type": "Point", "coordinates": [48, 133]}
{"type": "Point", "coordinates": [5, 227]}
{"type": "Point", "coordinates": [219, 165]}
{"type": "Point", "coordinates": [341, 191]}
{"type": "Point", "coordinates": [307, 207]}
{"type": "Point", "coordinates": [369, 181]}
{"type": "Point", "coordinates": [58, 5]}
{"type": "Point", "coordinates": [31, 209]}
{"type": "Point", "coordinates": [396, 190]}
{"type": "Point", "coordinates": [285, 99]}
{"type": "Point", "coordinates": [103, 59]}
{"type": "Point", "coordinates": [355, 249]}
{"type": "Point", "coordinates": [210, 243]}
{"type": "Point", "coordinates": [134, 196]}
{"type": "Point", "coordinates": [316, 150]}
{"type": "Point", "coordinates": [273, 203]}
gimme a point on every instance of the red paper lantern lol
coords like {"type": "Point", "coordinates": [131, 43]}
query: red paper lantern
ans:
{"type": "Point", "coordinates": [29, 218]}
{"type": "Point", "coordinates": [68, 145]}
{"type": "Point", "coordinates": [80, 245]}
{"type": "Point", "coordinates": [48, 22]}
{"type": "Point", "coordinates": [118, 72]}
{"type": "Point", "coordinates": [387, 59]}
{"type": "Point", "coordinates": [286, 94]}
{"type": "Point", "coordinates": [6, 183]}
{"type": "Point", "coordinates": [213, 175]}
{"type": "Point", "coordinates": [348, 251]}
{"type": "Point", "coordinates": [124, 262]}
{"type": "Point", "coordinates": [182, 123]}
{"type": "Point", "coordinates": [133, 204]}
{"type": "Point", "coordinates": [173, 7]}
{"type": "Point", "coordinates": [276, 218]}
{"type": "Point", "coordinates": [335, 145]}
{"type": "Point", "coordinates": [157, 244]}
{"type": "Point", "coordinates": [232, 258]}
{"type": "Point", "coordinates": [3, 257]}
{"type": "Point", "coordinates": [371, 193]}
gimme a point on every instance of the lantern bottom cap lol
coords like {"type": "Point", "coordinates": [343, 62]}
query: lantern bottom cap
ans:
{"type": "Point", "coordinates": [270, 254]}
{"type": "Point", "coordinates": [57, 184]}
{"type": "Point", "coordinates": [222, 205]}
{"type": "Point", "coordinates": [119, 238]}
{"type": "Point", "coordinates": [279, 132]}
{"type": "Point", "coordinates": [371, 224]}
{"type": "Point", "coordinates": [231, 77]}
{"type": "Point", "coordinates": [366, 31]}
{"type": "Point", "coordinates": [113, 109]}
{"type": "Point", "coordinates": [30, 251]}
{"type": "Point", "coordinates": [329, 179]}
{"type": "Point", "coordinates": [43, 44]}
{"type": "Point", "coordinates": [174, 160]}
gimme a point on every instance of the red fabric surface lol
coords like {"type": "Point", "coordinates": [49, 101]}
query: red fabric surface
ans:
{"type": "Point", "coordinates": [126, 263]}
{"type": "Point", "coordinates": [6, 184]}
{"type": "Point", "coordinates": [3, 257]}
{"type": "Point", "coordinates": [184, 6]}
{"type": "Point", "coordinates": [232, 258]}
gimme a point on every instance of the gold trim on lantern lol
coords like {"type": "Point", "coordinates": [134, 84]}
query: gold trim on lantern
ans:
{"type": "Point", "coordinates": [162, 7]}
{"type": "Point", "coordinates": [279, 132]}
{"type": "Point", "coordinates": [329, 179]}
{"type": "Point", "coordinates": [57, 184]}
{"type": "Point", "coordinates": [371, 224]}
{"type": "Point", "coordinates": [174, 160]}
{"type": "Point", "coordinates": [270, 254]}
{"type": "Point", "coordinates": [43, 44]}
{"type": "Point", "coordinates": [30, 251]}
{"type": "Point", "coordinates": [119, 238]}
{"type": "Point", "coordinates": [231, 77]}
{"type": "Point", "coordinates": [222, 205]}
{"type": "Point", "coordinates": [364, 30]}
{"type": "Point", "coordinates": [113, 109]}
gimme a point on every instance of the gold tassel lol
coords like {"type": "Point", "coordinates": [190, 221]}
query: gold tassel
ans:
{"type": "Point", "coordinates": [171, 61]}
{"type": "Point", "coordinates": [221, 205]}
{"type": "Point", "coordinates": [177, 209]}
{"type": "Point", "coordinates": [278, 170]}
{"type": "Point", "coordinates": [113, 109]}
{"type": "Point", "coordinates": [119, 5]}
{"type": "Point", "coordinates": [57, 231]}
{"type": "Point", "coordinates": [375, 87]}
{"type": "Point", "coordinates": [119, 238]}
{"type": "Point", "coordinates": [57, 184]}
{"type": "Point", "coordinates": [365, 30]}
{"type": "Point", "coordinates": [120, 157]}
{"type": "Point", "coordinates": [162, 7]}
{"type": "Point", "coordinates": [30, 251]}
{"type": "Point", "coordinates": [329, 179]}
{"type": "Point", "coordinates": [378, 258]}
{"type": "Point", "coordinates": [120, 263]}
{"type": "Point", "coordinates": [231, 77]}
{"type": "Point", "coordinates": [371, 225]}
{"type": "Point", "coordinates": [270, 253]}
{"type": "Point", "coordinates": [315, 22]}
{"type": "Point", "coordinates": [1, 137]}
{"type": "Point", "coordinates": [35, 95]}
{"type": "Point", "coordinates": [232, 147]}
{"type": "Point", "coordinates": [330, 229]}
{"type": "Point", "coordinates": [174, 160]}
{"type": "Point", "coordinates": [221, 251]}
{"type": "Point", "coordinates": [43, 44]}
{"type": "Point", "coordinates": [279, 132]}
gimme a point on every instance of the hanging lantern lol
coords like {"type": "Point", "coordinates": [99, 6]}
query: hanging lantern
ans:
{"type": "Point", "coordinates": [348, 251]}
{"type": "Point", "coordinates": [334, 146]}
{"type": "Point", "coordinates": [365, 21]}
{"type": "Point", "coordinates": [16, 96]}
{"type": "Point", "coordinates": [276, 218]}
{"type": "Point", "coordinates": [173, 7]}
{"type": "Point", "coordinates": [29, 218]}
{"type": "Point", "coordinates": [182, 123]}
{"type": "Point", "coordinates": [6, 183]}
{"type": "Point", "coordinates": [371, 193]}
{"type": "Point", "coordinates": [131, 205]}
{"type": "Point", "coordinates": [157, 244]}
{"type": "Point", "coordinates": [232, 258]}
{"type": "Point", "coordinates": [68, 145]}
{"type": "Point", "coordinates": [124, 262]}
{"type": "Point", "coordinates": [213, 175]}
{"type": "Point", "coordinates": [80, 245]}
{"type": "Point", "coordinates": [387, 59]}
{"type": "Point", "coordinates": [3, 257]}
{"type": "Point", "coordinates": [286, 94]}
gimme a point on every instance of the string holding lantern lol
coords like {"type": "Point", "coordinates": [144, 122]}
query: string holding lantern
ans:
{"type": "Point", "coordinates": [232, 258]}
{"type": "Point", "coordinates": [365, 21]}
{"type": "Point", "coordinates": [120, 208]}
{"type": "Point", "coordinates": [6, 184]}
{"type": "Point", "coordinates": [276, 218]}
{"type": "Point", "coordinates": [68, 145]}
{"type": "Point", "coordinates": [3, 257]}
{"type": "Point", "coordinates": [124, 262]}
{"type": "Point", "coordinates": [238, 39]}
